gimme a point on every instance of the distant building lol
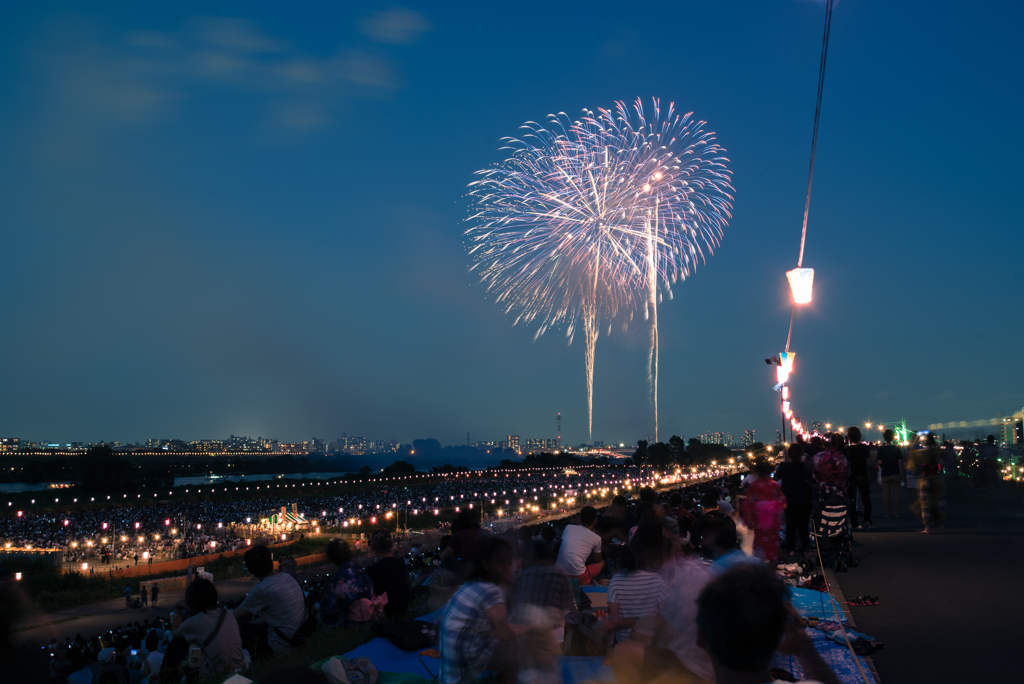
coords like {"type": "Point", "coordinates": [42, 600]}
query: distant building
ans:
{"type": "Point", "coordinates": [513, 443]}
{"type": "Point", "coordinates": [8, 444]}
{"type": "Point", "coordinates": [729, 440]}
{"type": "Point", "coordinates": [815, 426]}
{"type": "Point", "coordinates": [712, 438]}
{"type": "Point", "coordinates": [747, 439]}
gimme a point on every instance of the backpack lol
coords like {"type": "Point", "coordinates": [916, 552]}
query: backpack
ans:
{"type": "Point", "coordinates": [581, 636]}
{"type": "Point", "coordinates": [196, 657]}
{"type": "Point", "coordinates": [414, 635]}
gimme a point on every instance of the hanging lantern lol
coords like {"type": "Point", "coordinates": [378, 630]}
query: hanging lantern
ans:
{"type": "Point", "coordinates": [801, 282]}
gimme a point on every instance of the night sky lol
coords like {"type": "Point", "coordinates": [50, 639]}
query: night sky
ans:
{"type": "Point", "coordinates": [246, 218]}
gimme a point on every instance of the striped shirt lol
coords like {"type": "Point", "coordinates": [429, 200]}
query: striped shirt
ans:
{"type": "Point", "coordinates": [637, 594]}
{"type": "Point", "coordinates": [467, 639]}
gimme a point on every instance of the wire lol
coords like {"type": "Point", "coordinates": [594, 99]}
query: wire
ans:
{"type": "Point", "coordinates": [832, 599]}
{"type": "Point", "coordinates": [814, 150]}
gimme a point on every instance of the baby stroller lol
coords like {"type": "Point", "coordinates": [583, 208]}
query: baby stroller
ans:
{"type": "Point", "coordinates": [830, 529]}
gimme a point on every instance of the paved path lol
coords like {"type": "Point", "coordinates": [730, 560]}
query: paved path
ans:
{"type": "Point", "coordinates": [951, 603]}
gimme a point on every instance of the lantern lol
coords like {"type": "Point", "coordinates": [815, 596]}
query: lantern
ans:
{"type": "Point", "coordinates": [801, 282]}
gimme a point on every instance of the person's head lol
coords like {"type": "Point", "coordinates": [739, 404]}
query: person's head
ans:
{"type": "Point", "coordinates": [648, 494]}
{"type": "Point", "coordinates": [588, 517]}
{"type": "Point", "coordinates": [837, 441]}
{"type": "Point", "coordinates": [493, 561]}
{"type": "Point", "coordinates": [259, 561]}
{"type": "Point", "coordinates": [648, 542]}
{"type": "Point", "coordinates": [795, 452]}
{"type": "Point", "coordinates": [853, 433]}
{"type": "Point", "coordinates": [762, 468]}
{"type": "Point", "coordinates": [339, 552]}
{"type": "Point", "coordinates": [888, 436]}
{"type": "Point", "coordinates": [201, 595]}
{"type": "Point", "coordinates": [742, 617]}
{"type": "Point", "coordinates": [381, 543]}
{"type": "Point", "coordinates": [709, 502]}
{"type": "Point", "coordinates": [991, 439]}
{"type": "Point", "coordinates": [675, 500]}
{"type": "Point", "coordinates": [930, 440]}
{"type": "Point", "coordinates": [466, 519]}
{"type": "Point", "coordinates": [619, 501]}
{"type": "Point", "coordinates": [152, 641]}
{"type": "Point", "coordinates": [716, 534]}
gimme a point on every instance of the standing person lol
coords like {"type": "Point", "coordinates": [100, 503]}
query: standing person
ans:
{"type": "Point", "coordinates": [144, 595]}
{"type": "Point", "coordinates": [761, 511]}
{"type": "Point", "coordinates": [155, 593]}
{"type": "Point", "coordinates": [831, 471]}
{"type": "Point", "coordinates": [475, 632]}
{"type": "Point", "coordinates": [579, 544]}
{"type": "Point", "coordinates": [890, 464]}
{"type": "Point", "coordinates": [857, 453]}
{"type": "Point", "coordinates": [128, 596]}
{"type": "Point", "coordinates": [931, 494]}
{"type": "Point", "coordinates": [794, 478]}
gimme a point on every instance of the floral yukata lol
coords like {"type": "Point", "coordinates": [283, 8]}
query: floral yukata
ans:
{"type": "Point", "coordinates": [761, 511]}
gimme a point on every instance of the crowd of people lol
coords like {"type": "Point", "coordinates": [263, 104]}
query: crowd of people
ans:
{"type": "Point", "coordinates": [692, 592]}
{"type": "Point", "coordinates": [120, 536]}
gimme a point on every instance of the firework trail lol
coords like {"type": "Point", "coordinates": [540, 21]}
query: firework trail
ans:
{"type": "Point", "coordinates": [590, 220]}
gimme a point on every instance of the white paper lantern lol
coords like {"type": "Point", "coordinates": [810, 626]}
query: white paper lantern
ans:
{"type": "Point", "coordinates": [801, 282]}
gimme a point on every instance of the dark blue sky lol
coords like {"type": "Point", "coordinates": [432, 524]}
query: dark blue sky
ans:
{"type": "Point", "coordinates": [246, 218]}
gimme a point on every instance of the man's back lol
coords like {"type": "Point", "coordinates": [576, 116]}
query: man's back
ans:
{"type": "Point", "coordinates": [577, 544]}
{"type": "Point", "coordinates": [281, 604]}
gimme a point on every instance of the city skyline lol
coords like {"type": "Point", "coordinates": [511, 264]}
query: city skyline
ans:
{"type": "Point", "coordinates": [223, 219]}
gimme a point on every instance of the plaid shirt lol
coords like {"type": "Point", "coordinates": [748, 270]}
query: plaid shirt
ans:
{"type": "Point", "coordinates": [545, 586]}
{"type": "Point", "coordinates": [467, 639]}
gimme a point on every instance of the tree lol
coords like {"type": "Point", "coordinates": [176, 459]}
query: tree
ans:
{"type": "Point", "coordinates": [640, 455]}
{"type": "Point", "coordinates": [678, 445]}
{"type": "Point", "coordinates": [365, 471]}
{"type": "Point", "coordinates": [400, 468]}
{"type": "Point", "coordinates": [426, 446]}
{"type": "Point", "coordinates": [102, 470]}
{"type": "Point", "coordinates": [660, 455]}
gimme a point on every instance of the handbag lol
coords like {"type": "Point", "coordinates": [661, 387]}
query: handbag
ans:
{"type": "Point", "coordinates": [196, 657]}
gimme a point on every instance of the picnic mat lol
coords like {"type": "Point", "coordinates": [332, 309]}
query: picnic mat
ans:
{"type": "Point", "coordinates": [405, 667]}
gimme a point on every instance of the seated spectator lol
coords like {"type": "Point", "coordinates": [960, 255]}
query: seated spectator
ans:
{"type": "Point", "coordinates": [204, 620]}
{"type": "Point", "coordinates": [580, 544]}
{"type": "Point", "coordinates": [156, 656]}
{"type": "Point", "coordinates": [475, 632]}
{"type": "Point", "coordinates": [720, 543]}
{"type": "Point", "coordinates": [637, 589]}
{"type": "Point", "coordinates": [390, 575]}
{"type": "Point", "coordinates": [349, 598]}
{"type": "Point", "coordinates": [276, 605]}
{"type": "Point", "coordinates": [460, 553]}
{"type": "Point", "coordinates": [743, 616]}
{"type": "Point", "coordinates": [541, 597]}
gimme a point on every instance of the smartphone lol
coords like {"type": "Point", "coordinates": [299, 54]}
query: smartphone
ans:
{"type": "Point", "coordinates": [134, 652]}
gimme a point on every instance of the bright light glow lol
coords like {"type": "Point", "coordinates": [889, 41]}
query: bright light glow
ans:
{"type": "Point", "coordinates": [801, 282]}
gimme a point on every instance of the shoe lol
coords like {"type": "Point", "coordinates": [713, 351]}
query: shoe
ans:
{"type": "Point", "coordinates": [866, 525]}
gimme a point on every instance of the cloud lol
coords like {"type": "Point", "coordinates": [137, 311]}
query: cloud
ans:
{"type": "Point", "coordinates": [396, 26]}
{"type": "Point", "coordinates": [140, 77]}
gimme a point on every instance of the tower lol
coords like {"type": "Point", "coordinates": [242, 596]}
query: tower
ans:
{"type": "Point", "coordinates": [559, 431]}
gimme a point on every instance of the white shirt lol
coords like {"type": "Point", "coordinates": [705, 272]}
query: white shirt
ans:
{"type": "Point", "coordinates": [155, 659]}
{"type": "Point", "coordinates": [280, 603]}
{"type": "Point", "coordinates": [225, 651]}
{"type": "Point", "coordinates": [577, 544]}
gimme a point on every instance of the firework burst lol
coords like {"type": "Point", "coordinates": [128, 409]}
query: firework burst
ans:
{"type": "Point", "coordinates": [591, 220]}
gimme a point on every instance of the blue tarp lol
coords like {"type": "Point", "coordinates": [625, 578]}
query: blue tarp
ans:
{"type": "Point", "coordinates": [389, 658]}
